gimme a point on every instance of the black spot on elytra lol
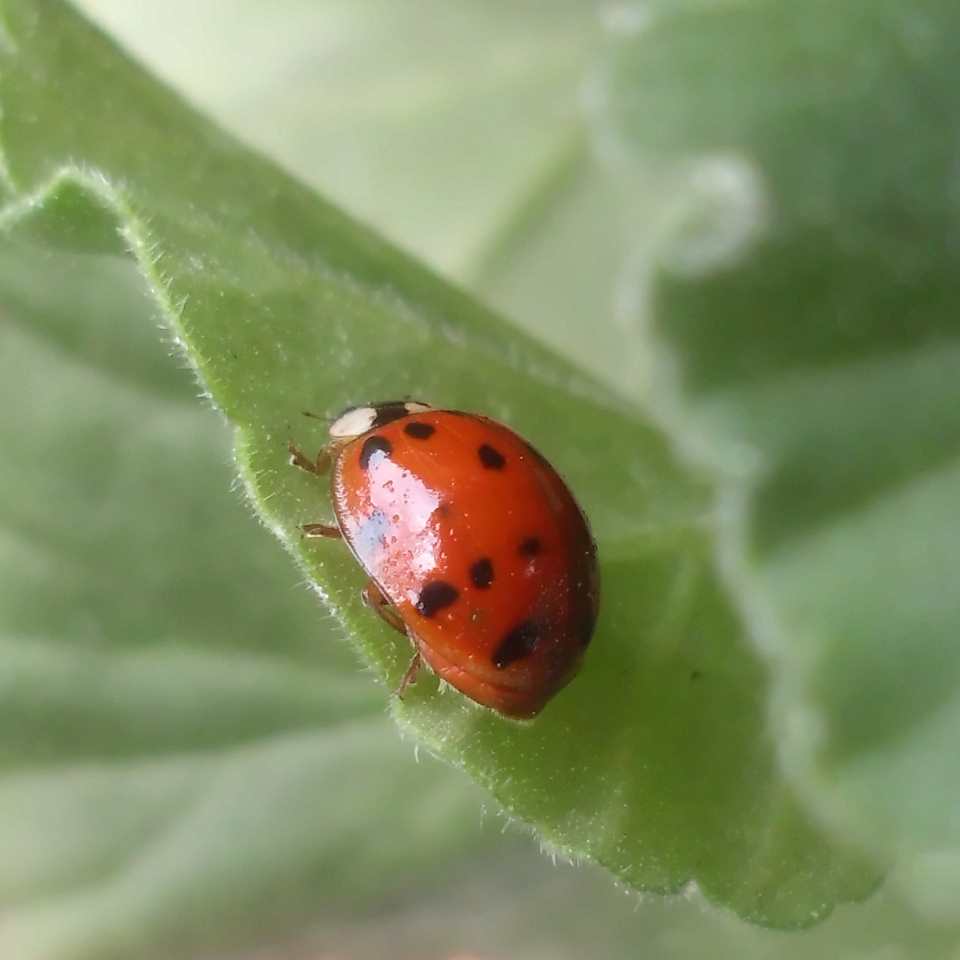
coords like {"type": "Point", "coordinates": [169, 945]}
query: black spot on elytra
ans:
{"type": "Point", "coordinates": [387, 413]}
{"type": "Point", "coordinates": [419, 430]}
{"type": "Point", "coordinates": [492, 459]}
{"type": "Point", "coordinates": [530, 547]}
{"type": "Point", "coordinates": [481, 573]}
{"type": "Point", "coordinates": [517, 644]}
{"type": "Point", "coordinates": [436, 595]}
{"type": "Point", "coordinates": [372, 445]}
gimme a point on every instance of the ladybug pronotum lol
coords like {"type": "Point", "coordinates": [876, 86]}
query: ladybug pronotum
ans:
{"type": "Point", "coordinates": [473, 545]}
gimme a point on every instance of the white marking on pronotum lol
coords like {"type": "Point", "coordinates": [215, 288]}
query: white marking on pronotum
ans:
{"type": "Point", "coordinates": [358, 420]}
{"type": "Point", "coordinates": [353, 423]}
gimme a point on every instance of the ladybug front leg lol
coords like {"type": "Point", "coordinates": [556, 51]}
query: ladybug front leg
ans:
{"type": "Point", "coordinates": [318, 466]}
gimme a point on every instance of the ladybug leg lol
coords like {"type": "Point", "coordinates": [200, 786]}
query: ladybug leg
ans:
{"type": "Point", "coordinates": [327, 530]}
{"type": "Point", "coordinates": [373, 597]}
{"type": "Point", "coordinates": [318, 466]}
{"type": "Point", "coordinates": [410, 677]}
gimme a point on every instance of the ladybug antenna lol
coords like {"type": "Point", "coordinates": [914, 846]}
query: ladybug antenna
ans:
{"type": "Point", "coordinates": [316, 416]}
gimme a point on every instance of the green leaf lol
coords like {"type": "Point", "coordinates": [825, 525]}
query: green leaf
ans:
{"type": "Point", "coordinates": [656, 762]}
{"type": "Point", "coordinates": [806, 293]}
{"type": "Point", "coordinates": [175, 707]}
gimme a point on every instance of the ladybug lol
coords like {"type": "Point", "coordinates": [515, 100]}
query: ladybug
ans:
{"type": "Point", "coordinates": [473, 545]}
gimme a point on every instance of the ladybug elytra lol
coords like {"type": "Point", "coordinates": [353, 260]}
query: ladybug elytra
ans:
{"type": "Point", "coordinates": [473, 545]}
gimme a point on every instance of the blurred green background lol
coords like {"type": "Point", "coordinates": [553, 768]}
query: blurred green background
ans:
{"type": "Point", "coordinates": [179, 803]}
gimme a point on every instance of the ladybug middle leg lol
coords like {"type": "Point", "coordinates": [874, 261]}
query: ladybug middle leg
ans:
{"type": "Point", "coordinates": [328, 531]}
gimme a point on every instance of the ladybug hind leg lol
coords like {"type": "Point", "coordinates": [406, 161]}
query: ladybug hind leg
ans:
{"type": "Point", "coordinates": [410, 677]}
{"type": "Point", "coordinates": [374, 598]}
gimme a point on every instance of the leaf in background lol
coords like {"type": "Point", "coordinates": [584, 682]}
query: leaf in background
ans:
{"type": "Point", "coordinates": [427, 124]}
{"type": "Point", "coordinates": [458, 132]}
{"type": "Point", "coordinates": [656, 762]}
{"type": "Point", "coordinates": [520, 908]}
{"type": "Point", "coordinates": [811, 315]}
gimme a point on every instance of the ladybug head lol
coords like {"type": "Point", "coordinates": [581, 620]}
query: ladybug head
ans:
{"type": "Point", "coordinates": [356, 421]}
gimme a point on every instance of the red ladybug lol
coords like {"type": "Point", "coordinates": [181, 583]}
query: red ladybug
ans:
{"type": "Point", "coordinates": [475, 548]}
